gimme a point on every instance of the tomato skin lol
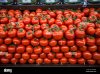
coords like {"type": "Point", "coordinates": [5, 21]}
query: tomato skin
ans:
{"type": "Point", "coordinates": [43, 20]}
{"type": "Point", "coordinates": [86, 11]}
{"type": "Point", "coordinates": [31, 61]}
{"type": "Point", "coordinates": [3, 34]}
{"type": "Point", "coordinates": [97, 41]}
{"type": "Point", "coordinates": [90, 41]}
{"type": "Point", "coordinates": [78, 54]}
{"type": "Point", "coordinates": [81, 61]}
{"type": "Point", "coordinates": [70, 43]}
{"type": "Point", "coordinates": [11, 49]}
{"type": "Point", "coordinates": [29, 49]}
{"type": "Point", "coordinates": [47, 34]}
{"type": "Point", "coordinates": [64, 28]}
{"type": "Point", "coordinates": [91, 30]}
{"type": "Point", "coordinates": [21, 33]}
{"type": "Point", "coordinates": [96, 55]}
{"type": "Point", "coordinates": [3, 47]}
{"type": "Point", "coordinates": [27, 20]}
{"type": "Point", "coordinates": [42, 55]}
{"type": "Point", "coordinates": [73, 48]}
{"type": "Point", "coordinates": [4, 20]}
{"type": "Point", "coordinates": [72, 60]}
{"type": "Point", "coordinates": [34, 56]}
{"type": "Point", "coordinates": [53, 42]}
{"type": "Point", "coordinates": [87, 55]}
{"type": "Point", "coordinates": [20, 49]}
{"type": "Point", "coordinates": [35, 42]}
{"type": "Point", "coordinates": [50, 55]}
{"type": "Point", "coordinates": [63, 60]}
{"type": "Point", "coordinates": [8, 40]}
{"type": "Point", "coordinates": [59, 55]}
{"type": "Point", "coordinates": [17, 55]}
{"type": "Point", "coordinates": [68, 54]}
{"type": "Point", "coordinates": [12, 33]}
{"type": "Point", "coordinates": [35, 20]}
{"type": "Point", "coordinates": [1, 41]}
{"type": "Point", "coordinates": [36, 27]}
{"type": "Point", "coordinates": [28, 27]}
{"type": "Point", "coordinates": [51, 21]}
{"type": "Point", "coordinates": [55, 61]}
{"type": "Point", "coordinates": [97, 32]}
{"type": "Point", "coordinates": [38, 33]}
{"type": "Point", "coordinates": [80, 42]}
{"type": "Point", "coordinates": [77, 21]}
{"type": "Point", "coordinates": [62, 42]}
{"type": "Point", "coordinates": [55, 49]}
{"type": "Point", "coordinates": [29, 34]}
{"type": "Point", "coordinates": [22, 61]}
{"type": "Point", "coordinates": [25, 42]}
{"type": "Point", "coordinates": [47, 49]}
{"type": "Point", "coordinates": [14, 60]}
{"type": "Point", "coordinates": [44, 26]}
{"type": "Point", "coordinates": [43, 42]}
{"type": "Point", "coordinates": [92, 48]}
{"type": "Point", "coordinates": [16, 41]}
{"type": "Point", "coordinates": [64, 49]}
{"type": "Point", "coordinates": [38, 50]}
{"type": "Point", "coordinates": [58, 22]}
{"type": "Point", "coordinates": [47, 61]}
{"type": "Point", "coordinates": [39, 61]}
{"type": "Point", "coordinates": [91, 61]}
{"type": "Point", "coordinates": [25, 56]}
{"type": "Point", "coordinates": [83, 48]}
{"type": "Point", "coordinates": [4, 60]}
{"type": "Point", "coordinates": [68, 22]}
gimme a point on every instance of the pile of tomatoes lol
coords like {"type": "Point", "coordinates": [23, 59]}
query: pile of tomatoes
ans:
{"type": "Point", "coordinates": [50, 36]}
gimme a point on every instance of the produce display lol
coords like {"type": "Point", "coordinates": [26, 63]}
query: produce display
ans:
{"type": "Point", "coordinates": [66, 36]}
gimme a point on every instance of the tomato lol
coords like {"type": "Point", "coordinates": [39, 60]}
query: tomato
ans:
{"type": "Point", "coordinates": [59, 55]}
{"type": "Point", "coordinates": [47, 34]}
{"type": "Point", "coordinates": [86, 11]}
{"type": "Point", "coordinates": [38, 33]}
{"type": "Point", "coordinates": [12, 19]}
{"type": "Point", "coordinates": [3, 47]}
{"type": "Point", "coordinates": [96, 55]}
{"type": "Point", "coordinates": [26, 12]}
{"type": "Point", "coordinates": [3, 34]}
{"type": "Point", "coordinates": [29, 34]}
{"type": "Point", "coordinates": [27, 20]}
{"type": "Point", "coordinates": [1, 41]}
{"type": "Point", "coordinates": [42, 55]}
{"type": "Point", "coordinates": [62, 42]}
{"type": "Point", "coordinates": [69, 34]}
{"type": "Point", "coordinates": [92, 48]}
{"type": "Point", "coordinates": [79, 33]}
{"type": "Point", "coordinates": [16, 41]}
{"type": "Point", "coordinates": [34, 56]}
{"type": "Point", "coordinates": [47, 49]}
{"type": "Point", "coordinates": [77, 21]}
{"type": "Point", "coordinates": [59, 12]}
{"type": "Point", "coordinates": [43, 42]}
{"type": "Point", "coordinates": [29, 49]}
{"type": "Point", "coordinates": [64, 49]}
{"type": "Point", "coordinates": [28, 27]}
{"type": "Point", "coordinates": [91, 61]}
{"type": "Point", "coordinates": [87, 55]}
{"type": "Point", "coordinates": [31, 61]}
{"type": "Point", "coordinates": [21, 33]}
{"type": "Point", "coordinates": [73, 48]}
{"type": "Point", "coordinates": [50, 55]}
{"type": "Point", "coordinates": [84, 19]}
{"type": "Point", "coordinates": [8, 40]}
{"type": "Point", "coordinates": [70, 42]}
{"type": "Point", "coordinates": [81, 61]}
{"type": "Point", "coordinates": [92, 18]}
{"type": "Point", "coordinates": [39, 61]}
{"type": "Point", "coordinates": [59, 22]}
{"type": "Point", "coordinates": [25, 56]}
{"type": "Point", "coordinates": [80, 42]}
{"type": "Point", "coordinates": [20, 49]}
{"type": "Point", "coordinates": [52, 14]}
{"type": "Point", "coordinates": [90, 30]}
{"type": "Point", "coordinates": [68, 54]}
{"type": "Point", "coordinates": [11, 49]}
{"type": "Point", "coordinates": [47, 61]}
{"type": "Point", "coordinates": [51, 21]}
{"type": "Point", "coordinates": [35, 20]}
{"type": "Point", "coordinates": [63, 28]}
{"type": "Point", "coordinates": [25, 42]}
{"type": "Point", "coordinates": [78, 54]}
{"type": "Point", "coordinates": [90, 41]}
{"type": "Point", "coordinates": [14, 60]}
{"type": "Point", "coordinates": [43, 20]}
{"type": "Point", "coordinates": [17, 55]}
{"type": "Point", "coordinates": [4, 20]}
{"type": "Point", "coordinates": [90, 25]}
{"type": "Point", "coordinates": [72, 60]}
{"type": "Point", "coordinates": [35, 42]}
{"type": "Point", "coordinates": [97, 32]}
{"type": "Point", "coordinates": [22, 61]}
{"type": "Point", "coordinates": [56, 49]}
{"type": "Point", "coordinates": [53, 42]}
{"type": "Point", "coordinates": [97, 41]}
{"type": "Point", "coordinates": [55, 61]}
{"type": "Point", "coordinates": [68, 21]}
{"type": "Point", "coordinates": [63, 60]}
{"type": "Point", "coordinates": [83, 48]}
{"type": "Point", "coordinates": [38, 10]}
{"type": "Point", "coordinates": [4, 60]}
{"type": "Point", "coordinates": [38, 50]}
{"type": "Point", "coordinates": [44, 12]}
{"type": "Point", "coordinates": [12, 33]}
{"type": "Point", "coordinates": [44, 26]}
{"type": "Point", "coordinates": [36, 27]}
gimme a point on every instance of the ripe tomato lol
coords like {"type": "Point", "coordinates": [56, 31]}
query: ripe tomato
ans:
{"type": "Point", "coordinates": [77, 21]}
{"type": "Point", "coordinates": [92, 18]}
{"type": "Point", "coordinates": [12, 33]}
{"type": "Point", "coordinates": [28, 27]}
{"type": "Point", "coordinates": [25, 56]}
{"type": "Point", "coordinates": [21, 33]}
{"type": "Point", "coordinates": [59, 55]}
{"type": "Point", "coordinates": [11, 49]}
{"type": "Point", "coordinates": [47, 34]}
{"type": "Point", "coordinates": [8, 40]}
{"type": "Point", "coordinates": [64, 49]}
{"type": "Point", "coordinates": [90, 41]}
{"type": "Point", "coordinates": [27, 20]}
{"type": "Point", "coordinates": [69, 34]}
{"type": "Point", "coordinates": [17, 55]}
{"type": "Point", "coordinates": [42, 55]}
{"type": "Point", "coordinates": [81, 61]}
{"type": "Point", "coordinates": [38, 33]}
{"type": "Point", "coordinates": [68, 54]}
{"type": "Point", "coordinates": [29, 49]}
{"type": "Point", "coordinates": [34, 56]}
{"type": "Point", "coordinates": [44, 26]}
{"type": "Point", "coordinates": [39, 61]}
{"type": "Point", "coordinates": [35, 42]}
{"type": "Point", "coordinates": [62, 42]}
{"type": "Point", "coordinates": [78, 54]}
{"type": "Point", "coordinates": [35, 20]}
{"type": "Point", "coordinates": [31, 61]}
{"type": "Point", "coordinates": [55, 49]}
{"type": "Point", "coordinates": [87, 55]}
{"type": "Point", "coordinates": [96, 55]}
{"type": "Point", "coordinates": [22, 61]}
{"type": "Point", "coordinates": [52, 14]}
{"type": "Point", "coordinates": [1, 41]}
{"type": "Point", "coordinates": [50, 55]}
{"type": "Point", "coordinates": [80, 42]}
{"type": "Point", "coordinates": [68, 21]}
{"type": "Point", "coordinates": [86, 11]}
{"type": "Point", "coordinates": [72, 60]}
{"type": "Point", "coordinates": [38, 50]}
{"type": "Point", "coordinates": [90, 30]}
{"type": "Point", "coordinates": [14, 60]}
{"type": "Point", "coordinates": [51, 21]}
{"type": "Point", "coordinates": [58, 22]}
{"type": "Point", "coordinates": [8, 55]}
{"type": "Point", "coordinates": [70, 42]}
{"type": "Point", "coordinates": [92, 48]}
{"type": "Point", "coordinates": [20, 49]}
{"type": "Point", "coordinates": [63, 28]}
{"type": "Point", "coordinates": [4, 20]}
{"type": "Point", "coordinates": [73, 48]}
{"type": "Point", "coordinates": [47, 49]}
{"type": "Point", "coordinates": [36, 27]}
{"type": "Point", "coordinates": [25, 42]}
{"type": "Point", "coordinates": [3, 47]}
{"type": "Point", "coordinates": [20, 25]}
{"type": "Point", "coordinates": [16, 41]}
{"type": "Point", "coordinates": [63, 60]}
{"type": "Point", "coordinates": [83, 48]}
{"type": "Point", "coordinates": [53, 42]}
{"type": "Point", "coordinates": [4, 60]}
{"type": "Point", "coordinates": [91, 61]}
{"type": "Point", "coordinates": [43, 20]}
{"type": "Point", "coordinates": [29, 34]}
{"type": "Point", "coordinates": [79, 33]}
{"type": "Point", "coordinates": [3, 34]}
{"type": "Point", "coordinates": [97, 32]}
{"type": "Point", "coordinates": [43, 42]}
{"type": "Point", "coordinates": [55, 61]}
{"type": "Point", "coordinates": [97, 41]}
{"type": "Point", "coordinates": [47, 61]}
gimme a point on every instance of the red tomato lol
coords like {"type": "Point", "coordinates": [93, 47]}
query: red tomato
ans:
{"type": "Point", "coordinates": [36, 27]}
{"type": "Point", "coordinates": [34, 56]}
{"type": "Point", "coordinates": [62, 42]}
{"type": "Point", "coordinates": [91, 61]}
{"type": "Point", "coordinates": [81, 61]}
{"type": "Point", "coordinates": [63, 28]}
{"type": "Point", "coordinates": [16, 41]}
{"type": "Point", "coordinates": [47, 61]}
{"type": "Point", "coordinates": [83, 48]}
{"type": "Point", "coordinates": [43, 20]}
{"type": "Point", "coordinates": [29, 49]}
{"type": "Point", "coordinates": [42, 55]}
{"type": "Point", "coordinates": [70, 42]}
{"type": "Point", "coordinates": [77, 21]}
{"type": "Point", "coordinates": [90, 41]}
{"type": "Point", "coordinates": [68, 54]}
{"type": "Point", "coordinates": [68, 21]}
{"type": "Point", "coordinates": [17, 55]}
{"type": "Point", "coordinates": [35, 20]}
{"type": "Point", "coordinates": [44, 26]}
{"type": "Point", "coordinates": [8, 55]}
{"type": "Point", "coordinates": [51, 21]}
{"type": "Point", "coordinates": [64, 49]}
{"type": "Point", "coordinates": [80, 42]}
{"type": "Point", "coordinates": [55, 61]}
{"type": "Point", "coordinates": [4, 20]}
{"type": "Point", "coordinates": [25, 42]}
{"type": "Point", "coordinates": [47, 34]}
{"type": "Point", "coordinates": [97, 32]}
{"type": "Point", "coordinates": [63, 60]}
{"type": "Point", "coordinates": [3, 47]}
{"type": "Point", "coordinates": [14, 60]}
{"type": "Point", "coordinates": [52, 14]}
{"type": "Point", "coordinates": [4, 60]}
{"type": "Point", "coordinates": [38, 50]}
{"type": "Point", "coordinates": [58, 22]}
{"type": "Point", "coordinates": [92, 48]}
{"type": "Point", "coordinates": [92, 18]}
{"type": "Point", "coordinates": [87, 55]}
{"type": "Point", "coordinates": [35, 42]}
{"type": "Point", "coordinates": [12, 33]}
{"type": "Point", "coordinates": [39, 61]}
{"type": "Point", "coordinates": [11, 49]}
{"type": "Point", "coordinates": [97, 41]}
{"type": "Point", "coordinates": [20, 49]}
{"type": "Point", "coordinates": [29, 34]}
{"type": "Point", "coordinates": [50, 55]}
{"type": "Point", "coordinates": [43, 42]}
{"type": "Point", "coordinates": [8, 40]}
{"type": "Point", "coordinates": [31, 61]}
{"type": "Point", "coordinates": [78, 54]}
{"type": "Point", "coordinates": [47, 49]}
{"type": "Point", "coordinates": [25, 56]}
{"type": "Point", "coordinates": [3, 34]}
{"type": "Point", "coordinates": [52, 42]}
{"type": "Point", "coordinates": [72, 60]}
{"type": "Point", "coordinates": [96, 55]}
{"type": "Point", "coordinates": [79, 33]}
{"type": "Point", "coordinates": [56, 49]}
{"type": "Point", "coordinates": [86, 11]}
{"type": "Point", "coordinates": [28, 27]}
{"type": "Point", "coordinates": [73, 48]}
{"type": "Point", "coordinates": [22, 61]}
{"type": "Point", "coordinates": [27, 20]}
{"type": "Point", "coordinates": [38, 33]}
{"type": "Point", "coordinates": [90, 30]}
{"type": "Point", "coordinates": [21, 33]}
{"type": "Point", "coordinates": [59, 55]}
